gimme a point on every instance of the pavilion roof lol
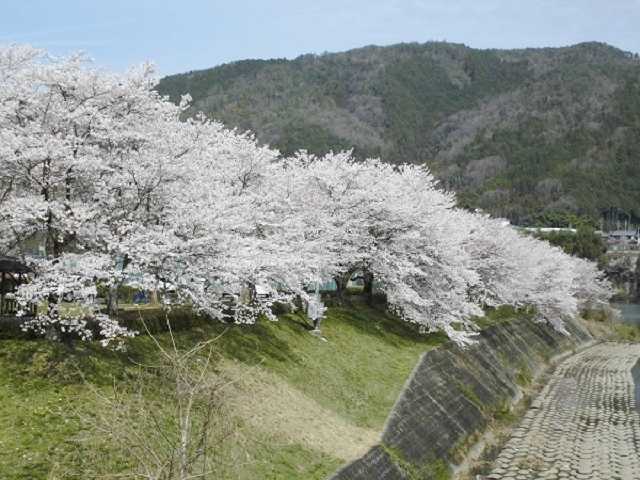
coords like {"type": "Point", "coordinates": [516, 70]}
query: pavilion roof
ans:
{"type": "Point", "coordinates": [13, 265]}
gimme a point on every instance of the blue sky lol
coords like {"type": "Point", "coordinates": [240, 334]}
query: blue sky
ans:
{"type": "Point", "coordinates": [186, 35]}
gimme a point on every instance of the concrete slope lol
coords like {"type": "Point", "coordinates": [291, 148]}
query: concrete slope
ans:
{"type": "Point", "coordinates": [452, 395]}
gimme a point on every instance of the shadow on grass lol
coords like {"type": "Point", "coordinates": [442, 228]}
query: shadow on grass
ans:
{"type": "Point", "coordinates": [376, 321]}
{"type": "Point", "coordinates": [248, 343]}
{"type": "Point", "coordinates": [264, 341]}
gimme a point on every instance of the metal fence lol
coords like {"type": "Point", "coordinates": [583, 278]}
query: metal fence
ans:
{"type": "Point", "coordinates": [9, 307]}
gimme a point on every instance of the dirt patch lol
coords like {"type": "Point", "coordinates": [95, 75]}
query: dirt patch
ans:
{"type": "Point", "coordinates": [270, 404]}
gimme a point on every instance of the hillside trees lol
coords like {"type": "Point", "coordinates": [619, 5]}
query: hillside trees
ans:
{"type": "Point", "coordinates": [563, 115]}
{"type": "Point", "coordinates": [101, 170]}
{"type": "Point", "coordinates": [585, 243]}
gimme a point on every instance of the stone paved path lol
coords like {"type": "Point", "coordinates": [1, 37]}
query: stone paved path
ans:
{"type": "Point", "coordinates": [585, 424]}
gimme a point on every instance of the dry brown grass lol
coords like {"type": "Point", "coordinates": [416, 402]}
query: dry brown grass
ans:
{"type": "Point", "coordinates": [270, 404]}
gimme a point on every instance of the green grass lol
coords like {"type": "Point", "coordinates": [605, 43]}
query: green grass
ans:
{"type": "Point", "coordinates": [524, 377]}
{"type": "Point", "coordinates": [435, 470]}
{"type": "Point", "coordinates": [361, 368]}
{"type": "Point", "coordinates": [610, 327]}
{"type": "Point", "coordinates": [502, 314]}
{"type": "Point", "coordinates": [626, 333]}
{"type": "Point", "coordinates": [356, 374]}
{"type": "Point", "coordinates": [471, 396]}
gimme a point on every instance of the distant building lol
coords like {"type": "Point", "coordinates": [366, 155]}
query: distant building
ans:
{"type": "Point", "coordinates": [550, 229]}
{"type": "Point", "coordinates": [622, 239]}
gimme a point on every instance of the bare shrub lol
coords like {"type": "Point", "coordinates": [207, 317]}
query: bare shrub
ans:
{"type": "Point", "coordinates": [170, 421]}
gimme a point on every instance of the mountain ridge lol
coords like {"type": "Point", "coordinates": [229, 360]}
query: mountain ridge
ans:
{"type": "Point", "coordinates": [538, 135]}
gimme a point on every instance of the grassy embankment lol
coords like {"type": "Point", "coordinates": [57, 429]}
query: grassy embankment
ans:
{"type": "Point", "coordinates": [302, 406]}
{"type": "Point", "coordinates": [606, 326]}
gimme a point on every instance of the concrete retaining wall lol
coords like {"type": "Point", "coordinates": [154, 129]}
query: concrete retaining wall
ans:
{"type": "Point", "coordinates": [623, 269]}
{"type": "Point", "coordinates": [636, 379]}
{"type": "Point", "coordinates": [453, 394]}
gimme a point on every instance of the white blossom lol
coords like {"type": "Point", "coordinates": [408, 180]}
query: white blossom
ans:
{"type": "Point", "coordinates": [101, 171]}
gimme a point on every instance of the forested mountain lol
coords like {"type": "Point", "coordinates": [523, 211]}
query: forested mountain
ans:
{"type": "Point", "coordinates": [540, 136]}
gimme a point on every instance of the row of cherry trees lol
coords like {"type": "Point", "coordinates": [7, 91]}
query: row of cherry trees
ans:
{"type": "Point", "coordinates": [102, 171]}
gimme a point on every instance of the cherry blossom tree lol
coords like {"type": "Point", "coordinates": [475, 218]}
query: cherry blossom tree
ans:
{"type": "Point", "coordinates": [391, 223]}
{"type": "Point", "coordinates": [83, 164]}
{"type": "Point", "coordinates": [100, 171]}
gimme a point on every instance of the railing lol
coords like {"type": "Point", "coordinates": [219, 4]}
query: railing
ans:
{"type": "Point", "coordinates": [9, 307]}
{"type": "Point", "coordinates": [622, 248]}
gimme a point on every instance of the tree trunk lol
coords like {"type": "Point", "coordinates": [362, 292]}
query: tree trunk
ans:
{"type": "Point", "coordinates": [637, 279]}
{"type": "Point", "coordinates": [2, 295]}
{"type": "Point", "coordinates": [112, 300]}
{"type": "Point", "coordinates": [53, 245]}
{"type": "Point", "coordinates": [185, 429]}
{"type": "Point", "coordinates": [112, 297]}
{"type": "Point", "coordinates": [342, 281]}
{"type": "Point", "coordinates": [368, 286]}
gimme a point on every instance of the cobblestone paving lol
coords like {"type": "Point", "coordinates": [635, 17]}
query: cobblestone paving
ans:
{"type": "Point", "coordinates": [585, 424]}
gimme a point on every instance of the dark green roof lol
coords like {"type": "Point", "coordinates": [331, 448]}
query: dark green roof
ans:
{"type": "Point", "coordinates": [13, 265]}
